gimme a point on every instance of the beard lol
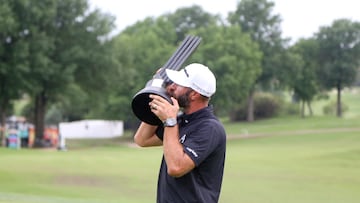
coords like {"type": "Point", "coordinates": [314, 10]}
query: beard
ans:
{"type": "Point", "coordinates": [184, 99]}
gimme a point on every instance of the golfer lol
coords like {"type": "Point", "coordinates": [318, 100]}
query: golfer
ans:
{"type": "Point", "coordinates": [193, 139]}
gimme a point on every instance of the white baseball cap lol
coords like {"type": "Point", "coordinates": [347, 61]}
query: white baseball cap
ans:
{"type": "Point", "coordinates": [196, 76]}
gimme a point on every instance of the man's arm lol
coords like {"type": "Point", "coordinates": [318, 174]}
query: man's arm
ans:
{"type": "Point", "coordinates": [177, 161]}
{"type": "Point", "coordinates": [145, 136]}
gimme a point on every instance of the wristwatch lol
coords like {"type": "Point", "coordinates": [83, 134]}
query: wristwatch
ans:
{"type": "Point", "coordinates": [170, 122]}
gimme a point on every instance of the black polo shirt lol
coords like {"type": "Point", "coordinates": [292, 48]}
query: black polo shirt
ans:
{"type": "Point", "coordinates": [204, 140]}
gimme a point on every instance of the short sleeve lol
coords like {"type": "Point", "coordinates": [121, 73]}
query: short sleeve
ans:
{"type": "Point", "coordinates": [204, 140]}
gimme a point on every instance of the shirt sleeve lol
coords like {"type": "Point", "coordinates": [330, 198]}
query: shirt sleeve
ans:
{"type": "Point", "coordinates": [202, 141]}
{"type": "Point", "coordinates": [160, 132]}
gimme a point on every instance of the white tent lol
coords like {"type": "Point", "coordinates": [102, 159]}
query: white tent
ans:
{"type": "Point", "coordinates": [91, 129]}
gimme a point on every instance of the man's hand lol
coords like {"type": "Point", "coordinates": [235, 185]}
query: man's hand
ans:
{"type": "Point", "coordinates": [162, 108]}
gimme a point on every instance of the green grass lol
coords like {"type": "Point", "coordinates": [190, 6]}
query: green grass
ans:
{"type": "Point", "coordinates": [311, 168]}
{"type": "Point", "coordinates": [282, 160]}
{"type": "Point", "coordinates": [119, 174]}
{"type": "Point", "coordinates": [320, 167]}
{"type": "Point", "coordinates": [293, 124]}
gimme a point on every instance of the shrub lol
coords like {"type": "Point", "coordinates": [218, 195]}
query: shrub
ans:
{"type": "Point", "coordinates": [266, 105]}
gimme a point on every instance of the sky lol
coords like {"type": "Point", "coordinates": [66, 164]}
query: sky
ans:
{"type": "Point", "coordinates": [300, 18]}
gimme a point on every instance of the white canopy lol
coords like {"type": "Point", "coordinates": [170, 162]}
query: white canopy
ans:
{"type": "Point", "coordinates": [91, 129]}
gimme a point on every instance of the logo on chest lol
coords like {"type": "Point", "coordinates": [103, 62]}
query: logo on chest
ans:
{"type": "Point", "coordinates": [182, 139]}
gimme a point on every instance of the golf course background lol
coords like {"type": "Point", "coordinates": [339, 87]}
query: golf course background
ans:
{"type": "Point", "coordinates": [281, 160]}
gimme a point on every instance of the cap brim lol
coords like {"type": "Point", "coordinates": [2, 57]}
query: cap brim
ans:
{"type": "Point", "coordinates": [178, 77]}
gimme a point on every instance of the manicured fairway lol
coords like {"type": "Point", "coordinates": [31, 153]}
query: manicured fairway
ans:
{"type": "Point", "coordinates": [318, 168]}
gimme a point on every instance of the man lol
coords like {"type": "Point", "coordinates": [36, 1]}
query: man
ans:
{"type": "Point", "coordinates": [194, 141]}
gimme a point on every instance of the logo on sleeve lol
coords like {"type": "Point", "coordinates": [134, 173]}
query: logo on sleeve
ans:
{"type": "Point", "coordinates": [192, 151]}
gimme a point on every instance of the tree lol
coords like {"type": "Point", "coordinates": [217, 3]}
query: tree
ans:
{"type": "Point", "coordinates": [301, 75]}
{"type": "Point", "coordinates": [256, 18]}
{"type": "Point", "coordinates": [97, 66]}
{"type": "Point", "coordinates": [187, 19]}
{"type": "Point", "coordinates": [13, 64]}
{"type": "Point", "coordinates": [62, 37]}
{"type": "Point", "coordinates": [339, 54]}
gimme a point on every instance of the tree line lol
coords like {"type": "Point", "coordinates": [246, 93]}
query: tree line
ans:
{"type": "Point", "coordinates": [61, 56]}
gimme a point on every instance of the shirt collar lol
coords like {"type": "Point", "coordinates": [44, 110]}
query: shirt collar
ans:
{"type": "Point", "coordinates": [202, 113]}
